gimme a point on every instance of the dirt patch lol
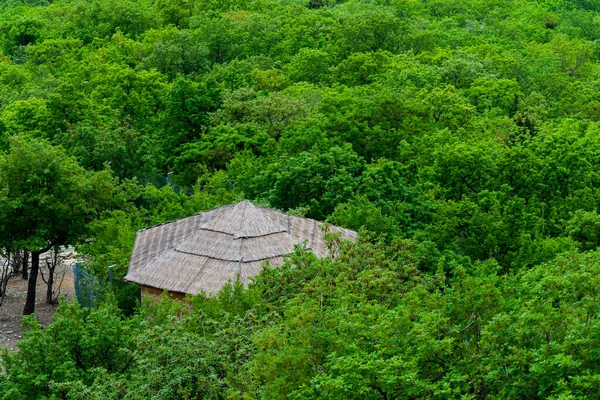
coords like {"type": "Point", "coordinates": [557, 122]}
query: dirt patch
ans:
{"type": "Point", "coordinates": [11, 310]}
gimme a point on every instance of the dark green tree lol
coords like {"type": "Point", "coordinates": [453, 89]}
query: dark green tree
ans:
{"type": "Point", "coordinates": [47, 200]}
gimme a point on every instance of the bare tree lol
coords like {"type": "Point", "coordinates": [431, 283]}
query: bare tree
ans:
{"type": "Point", "coordinates": [52, 261]}
{"type": "Point", "coordinates": [5, 272]}
{"type": "Point", "coordinates": [16, 262]}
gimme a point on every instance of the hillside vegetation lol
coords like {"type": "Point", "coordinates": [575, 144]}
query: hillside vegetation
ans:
{"type": "Point", "coordinates": [462, 138]}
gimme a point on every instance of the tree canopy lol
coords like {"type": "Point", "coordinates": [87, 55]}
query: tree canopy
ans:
{"type": "Point", "coordinates": [47, 200]}
{"type": "Point", "coordinates": [461, 137]}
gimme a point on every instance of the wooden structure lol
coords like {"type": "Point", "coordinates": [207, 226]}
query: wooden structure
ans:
{"type": "Point", "coordinates": [206, 251]}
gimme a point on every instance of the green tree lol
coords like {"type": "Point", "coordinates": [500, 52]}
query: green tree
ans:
{"type": "Point", "coordinates": [187, 107]}
{"type": "Point", "coordinates": [47, 200]}
{"type": "Point", "coordinates": [310, 65]}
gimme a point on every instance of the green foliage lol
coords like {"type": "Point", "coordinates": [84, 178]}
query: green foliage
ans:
{"type": "Point", "coordinates": [466, 133]}
{"type": "Point", "coordinates": [47, 198]}
{"type": "Point", "coordinates": [309, 65]}
{"type": "Point", "coordinates": [317, 180]}
{"type": "Point", "coordinates": [366, 324]}
{"type": "Point", "coordinates": [361, 213]}
{"type": "Point", "coordinates": [74, 348]}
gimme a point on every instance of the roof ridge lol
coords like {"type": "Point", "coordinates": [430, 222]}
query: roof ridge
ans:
{"type": "Point", "coordinates": [197, 273]}
{"type": "Point", "coordinates": [244, 213]}
{"type": "Point", "coordinates": [226, 259]}
{"type": "Point", "coordinates": [243, 227]}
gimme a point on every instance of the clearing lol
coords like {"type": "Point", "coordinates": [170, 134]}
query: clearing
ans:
{"type": "Point", "coordinates": [11, 310]}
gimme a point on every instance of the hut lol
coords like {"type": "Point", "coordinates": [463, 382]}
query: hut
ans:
{"type": "Point", "coordinates": [206, 251]}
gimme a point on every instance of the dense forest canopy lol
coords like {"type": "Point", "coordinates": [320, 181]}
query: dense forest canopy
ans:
{"type": "Point", "coordinates": [461, 137]}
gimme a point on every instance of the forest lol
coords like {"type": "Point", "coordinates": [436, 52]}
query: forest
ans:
{"type": "Point", "coordinates": [461, 138]}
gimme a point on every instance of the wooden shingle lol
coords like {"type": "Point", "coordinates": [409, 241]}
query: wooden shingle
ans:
{"type": "Point", "coordinates": [206, 251]}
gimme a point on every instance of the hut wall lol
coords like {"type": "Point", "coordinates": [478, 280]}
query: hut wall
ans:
{"type": "Point", "coordinates": [156, 292]}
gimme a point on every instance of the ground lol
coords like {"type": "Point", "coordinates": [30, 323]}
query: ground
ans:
{"type": "Point", "coordinates": [11, 310]}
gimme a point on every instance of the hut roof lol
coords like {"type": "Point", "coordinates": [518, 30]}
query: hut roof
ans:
{"type": "Point", "coordinates": [206, 251]}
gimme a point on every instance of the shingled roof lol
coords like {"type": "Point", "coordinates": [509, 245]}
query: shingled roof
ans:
{"type": "Point", "coordinates": [206, 251]}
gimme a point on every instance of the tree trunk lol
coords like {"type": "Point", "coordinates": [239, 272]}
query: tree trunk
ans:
{"type": "Point", "coordinates": [31, 285]}
{"type": "Point", "coordinates": [49, 299]}
{"type": "Point", "coordinates": [25, 263]}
